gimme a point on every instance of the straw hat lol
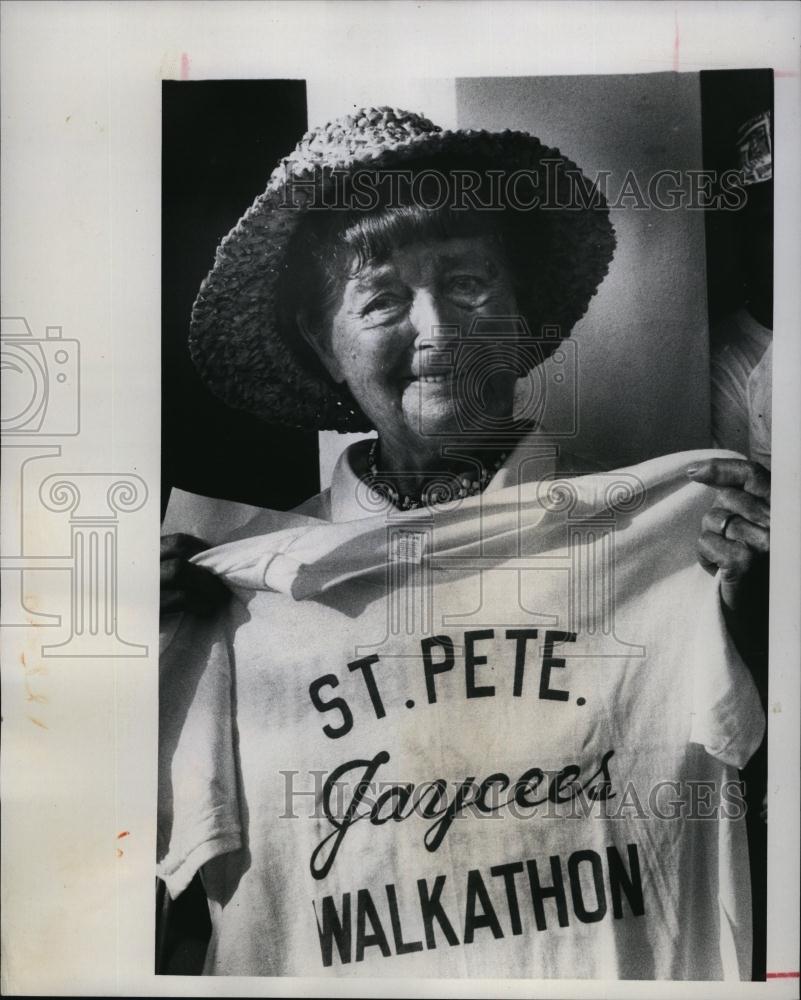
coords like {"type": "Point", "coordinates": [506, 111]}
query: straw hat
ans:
{"type": "Point", "coordinates": [251, 360]}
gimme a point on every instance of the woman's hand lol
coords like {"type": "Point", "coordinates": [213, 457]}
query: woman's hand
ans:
{"type": "Point", "coordinates": [735, 539]}
{"type": "Point", "coordinates": [184, 586]}
{"type": "Point", "coordinates": [735, 533]}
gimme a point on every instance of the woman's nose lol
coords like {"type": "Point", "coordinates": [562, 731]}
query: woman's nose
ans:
{"type": "Point", "coordinates": [432, 320]}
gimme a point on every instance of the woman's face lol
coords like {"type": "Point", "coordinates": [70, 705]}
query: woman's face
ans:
{"type": "Point", "coordinates": [404, 338]}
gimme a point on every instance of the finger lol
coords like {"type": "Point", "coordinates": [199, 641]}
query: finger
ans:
{"type": "Point", "coordinates": [751, 535]}
{"type": "Point", "coordinates": [181, 545]}
{"type": "Point", "coordinates": [707, 564]}
{"type": "Point", "coordinates": [172, 601]}
{"type": "Point", "coordinates": [722, 472]}
{"type": "Point", "coordinates": [737, 529]}
{"type": "Point", "coordinates": [748, 506]}
{"type": "Point", "coordinates": [201, 590]}
{"type": "Point", "coordinates": [734, 559]}
{"type": "Point", "coordinates": [169, 571]}
{"type": "Point", "coordinates": [178, 574]}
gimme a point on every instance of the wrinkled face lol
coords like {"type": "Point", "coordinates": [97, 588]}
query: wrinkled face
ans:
{"type": "Point", "coordinates": [400, 338]}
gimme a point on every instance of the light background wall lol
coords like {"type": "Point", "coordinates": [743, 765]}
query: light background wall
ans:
{"type": "Point", "coordinates": [641, 349]}
{"type": "Point", "coordinates": [642, 385]}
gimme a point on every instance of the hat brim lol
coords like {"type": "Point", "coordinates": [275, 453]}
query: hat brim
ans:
{"type": "Point", "coordinates": [236, 339]}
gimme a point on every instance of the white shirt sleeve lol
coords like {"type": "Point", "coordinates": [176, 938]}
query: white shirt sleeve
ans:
{"type": "Point", "coordinates": [728, 720]}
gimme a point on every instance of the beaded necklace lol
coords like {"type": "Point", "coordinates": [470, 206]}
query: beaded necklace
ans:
{"type": "Point", "coordinates": [447, 487]}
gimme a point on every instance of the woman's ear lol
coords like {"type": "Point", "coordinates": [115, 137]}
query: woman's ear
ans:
{"type": "Point", "coordinates": [319, 341]}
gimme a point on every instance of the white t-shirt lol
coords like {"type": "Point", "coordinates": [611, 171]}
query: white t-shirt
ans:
{"type": "Point", "coordinates": [493, 739]}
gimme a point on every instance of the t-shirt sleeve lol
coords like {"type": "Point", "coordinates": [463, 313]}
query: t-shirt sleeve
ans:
{"type": "Point", "coordinates": [728, 720]}
{"type": "Point", "coordinates": [199, 809]}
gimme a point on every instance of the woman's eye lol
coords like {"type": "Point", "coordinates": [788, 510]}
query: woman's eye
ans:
{"type": "Point", "coordinates": [383, 303]}
{"type": "Point", "coordinates": [467, 285]}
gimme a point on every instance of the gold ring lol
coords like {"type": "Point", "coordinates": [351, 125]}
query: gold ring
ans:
{"type": "Point", "coordinates": [725, 524]}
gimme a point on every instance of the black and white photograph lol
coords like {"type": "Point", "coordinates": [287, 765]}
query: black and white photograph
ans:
{"type": "Point", "coordinates": [444, 386]}
{"type": "Point", "coordinates": [488, 701]}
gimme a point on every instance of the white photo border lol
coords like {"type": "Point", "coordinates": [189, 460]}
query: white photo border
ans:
{"type": "Point", "coordinates": [81, 216]}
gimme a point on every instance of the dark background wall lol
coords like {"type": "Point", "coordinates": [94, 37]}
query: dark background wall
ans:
{"type": "Point", "coordinates": [728, 99]}
{"type": "Point", "coordinates": [221, 140]}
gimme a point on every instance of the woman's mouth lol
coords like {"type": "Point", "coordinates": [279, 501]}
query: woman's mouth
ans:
{"type": "Point", "coordinates": [430, 379]}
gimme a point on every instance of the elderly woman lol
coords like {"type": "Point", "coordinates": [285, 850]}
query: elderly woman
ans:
{"type": "Point", "coordinates": [470, 703]}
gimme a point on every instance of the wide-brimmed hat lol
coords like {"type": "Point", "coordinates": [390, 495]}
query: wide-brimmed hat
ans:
{"type": "Point", "coordinates": [254, 361]}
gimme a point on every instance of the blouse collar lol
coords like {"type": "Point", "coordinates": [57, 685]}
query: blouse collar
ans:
{"type": "Point", "coordinates": [531, 460]}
